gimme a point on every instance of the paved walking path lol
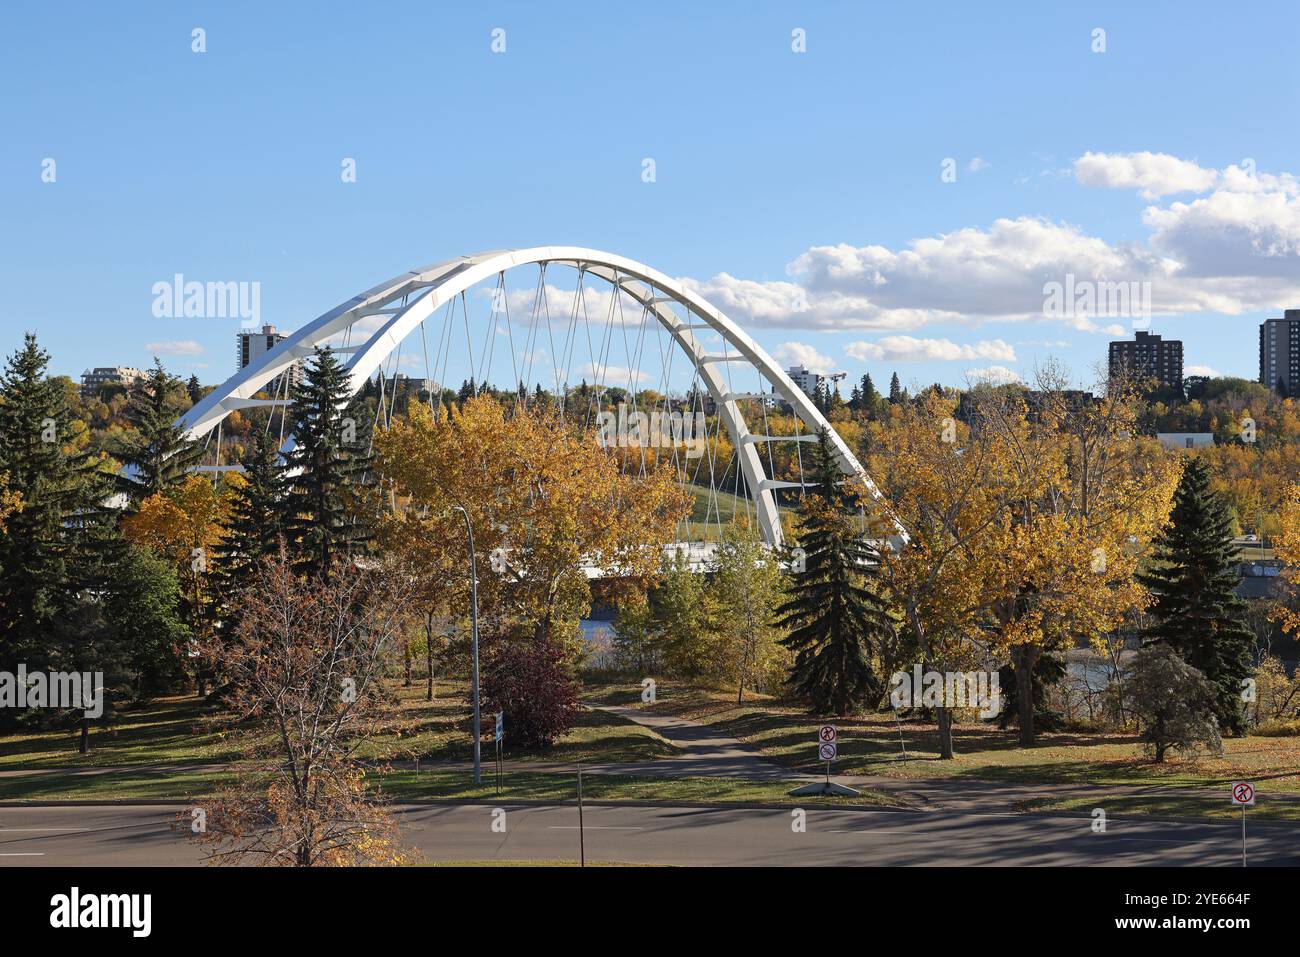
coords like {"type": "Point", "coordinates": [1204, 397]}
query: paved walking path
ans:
{"type": "Point", "coordinates": [705, 752]}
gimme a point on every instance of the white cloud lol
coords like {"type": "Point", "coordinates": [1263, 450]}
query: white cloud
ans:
{"type": "Point", "coordinates": [762, 303]}
{"type": "Point", "coordinates": [181, 347]}
{"type": "Point", "coordinates": [799, 354]}
{"type": "Point", "coordinates": [1152, 174]}
{"type": "Point", "coordinates": [611, 376]}
{"type": "Point", "coordinates": [909, 349]}
{"type": "Point", "coordinates": [1203, 370]}
{"type": "Point", "coordinates": [977, 164]}
{"type": "Point", "coordinates": [995, 375]}
{"type": "Point", "coordinates": [1232, 250]}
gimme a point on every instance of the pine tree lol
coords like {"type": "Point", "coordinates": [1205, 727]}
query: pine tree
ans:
{"type": "Point", "coordinates": [834, 401]}
{"type": "Point", "coordinates": [1193, 577]}
{"type": "Point", "coordinates": [836, 618]}
{"type": "Point", "coordinates": [194, 389]}
{"type": "Point", "coordinates": [895, 390]}
{"type": "Point", "coordinates": [157, 453]}
{"type": "Point", "coordinates": [869, 394]}
{"type": "Point", "coordinates": [327, 460]}
{"type": "Point", "coordinates": [47, 546]}
{"type": "Point", "coordinates": [254, 527]}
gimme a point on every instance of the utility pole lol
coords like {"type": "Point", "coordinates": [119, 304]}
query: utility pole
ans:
{"type": "Point", "coordinates": [473, 592]}
{"type": "Point", "coordinates": [581, 834]}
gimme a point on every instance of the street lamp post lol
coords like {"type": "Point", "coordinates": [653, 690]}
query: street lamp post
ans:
{"type": "Point", "coordinates": [473, 592]}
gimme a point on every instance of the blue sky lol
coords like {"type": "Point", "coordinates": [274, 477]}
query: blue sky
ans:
{"type": "Point", "coordinates": [802, 192]}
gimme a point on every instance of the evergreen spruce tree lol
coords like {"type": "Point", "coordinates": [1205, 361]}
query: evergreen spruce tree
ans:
{"type": "Point", "coordinates": [869, 394]}
{"type": "Point", "coordinates": [836, 619]}
{"type": "Point", "coordinates": [194, 389]}
{"type": "Point", "coordinates": [1196, 611]}
{"type": "Point", "coordinates": [834, 401]}
{"type": "Point", "coordinates": [48, 546]}
{"type": "Point", "coordinates": [253, 530]}
{"type": "Point", "coordinates": [156, 454]}
{"type": "Point", "coordinates": [328, 459]}
{"type": "Point", "coordinates": [895, 390]}
{"type": "Point", "coordinates": [254, 527]}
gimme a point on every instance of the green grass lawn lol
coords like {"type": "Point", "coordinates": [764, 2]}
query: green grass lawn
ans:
{"type": "Point", "coordinates": [185, 730]}
{"type": "Point", "coordinates": [870, 745]}
{"type": "Point", "coordinates": [445, 784]}
{"type": "Point", "coordinates": [178, 748]}
{"type": "Point", "coordinates": [434, 783]}
{"type": "Point", "coordinates": [175, 730]}
{"type": "Point", "coordinates": [131, 784]}
{"type": "Point", "coordinates": [712, 511]}
{"type": "Point", "coordinates": [1174, 805]}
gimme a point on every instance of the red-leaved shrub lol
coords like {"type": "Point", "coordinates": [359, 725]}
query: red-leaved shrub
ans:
{"type": "Point", "coordinates": [530, 683]}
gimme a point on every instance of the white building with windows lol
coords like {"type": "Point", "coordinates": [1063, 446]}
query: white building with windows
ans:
{"type": "Point", "coordinates": [808, 381]}
{"type": "Point", "coordinates": [1185, 440]}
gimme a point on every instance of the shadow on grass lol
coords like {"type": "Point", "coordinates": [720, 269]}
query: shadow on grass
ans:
{"type": "Point", "coordinates": [597, 736]}
{"type": "Point", "coordinates": [167, 730]}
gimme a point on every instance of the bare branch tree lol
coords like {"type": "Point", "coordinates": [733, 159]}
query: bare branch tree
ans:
{"type": "Point", "coordinates": [305, 664]}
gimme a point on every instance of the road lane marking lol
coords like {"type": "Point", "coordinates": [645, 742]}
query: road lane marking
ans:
{"type": "Point", "coordinates": [25, 854]}
{"type": "Point", "coordinates": [592, 827]}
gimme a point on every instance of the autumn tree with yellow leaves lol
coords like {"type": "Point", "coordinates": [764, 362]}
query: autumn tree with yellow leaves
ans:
{"type": "Point", "coordinates": [1083, 499]}
{"type": "Point", "coordinates": [543, 499]}
{"type": "Point", "coordinates": [1025, 527]}
{"type": "Point", "coordinates": [940, 483]}
{"type": "Point", "coordinates": [1287, 547]}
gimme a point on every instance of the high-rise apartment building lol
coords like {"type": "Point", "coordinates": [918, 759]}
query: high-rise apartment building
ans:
{"type": "Point", "coordinates": [1279, 353]}
{"type": "Point", "coordinates": [1149, 356]}
{"type": "Point", "coordinates": [250, 346]}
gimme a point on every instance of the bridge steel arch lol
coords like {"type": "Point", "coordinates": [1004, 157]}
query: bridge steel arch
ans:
{"type": "Point", "coordinates": [437, 284]}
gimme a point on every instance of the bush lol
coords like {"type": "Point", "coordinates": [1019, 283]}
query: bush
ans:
{"type": "Point", "coordinates": [1277, 728]}
{"type": "Point", "coordinates": [530, 683]}
{"type": "Point", "coordinates": [1174, 703]}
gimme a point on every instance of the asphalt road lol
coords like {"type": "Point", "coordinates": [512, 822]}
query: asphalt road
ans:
{"type": "Point", "coordinates": [141, 835]}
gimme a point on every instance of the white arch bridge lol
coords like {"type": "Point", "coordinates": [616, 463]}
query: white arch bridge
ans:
{"type": "Point", "coordinates": [642, 308]}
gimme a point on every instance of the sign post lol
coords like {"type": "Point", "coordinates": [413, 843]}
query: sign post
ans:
{"type": "Point", "coordinates": [828, 749]}
{"type": "Point", "coordinates": [1243, 795]}
{"type": "Point", "coordinates": [582, 834]}
{"type": "Point", "coordinates": [500, 733]}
